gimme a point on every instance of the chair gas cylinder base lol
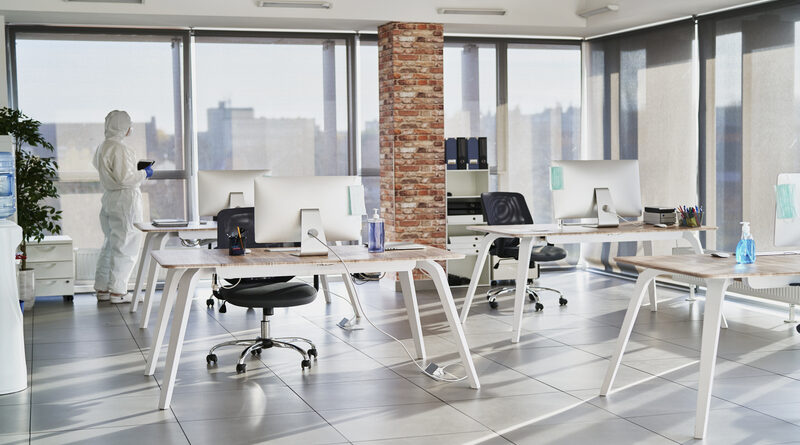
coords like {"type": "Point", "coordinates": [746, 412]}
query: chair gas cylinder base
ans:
{"type": "Point", "coordinates": [256, 345]}
{"type": "Point", "coordinates": [273, 295]}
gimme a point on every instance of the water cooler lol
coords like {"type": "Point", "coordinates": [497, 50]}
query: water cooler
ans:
{"type": "Point", "coordinates": [13, 372]}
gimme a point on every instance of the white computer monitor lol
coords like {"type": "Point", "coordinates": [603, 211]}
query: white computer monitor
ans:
{"type": "Point", "coordinates": [604, 190]}
{"type": "Point", "coordinates": [225, 189]}
{"type": "Point", "coordinates": [286, 208]}
{"type": "Point", "coordinates": [787, 210]}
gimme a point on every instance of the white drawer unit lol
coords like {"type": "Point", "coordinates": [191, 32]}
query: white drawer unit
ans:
{"type": "Point", "coordinates": [464, 186]}
{"type": "Point", "coordinates": [53, 265]}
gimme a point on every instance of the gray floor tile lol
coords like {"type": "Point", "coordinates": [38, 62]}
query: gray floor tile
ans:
{"type": "Point", "coordinates": [652, 397]}
{"type": "Point", "coordinates": [52, 351]}
{"type": "Point", "coordinates": [686, 370]}
{"type": "Point", "coordinates": [45, 334]}
{"type": "Point", "coordinates": [614, 431]}
{"type": "Point", "coordinates": [289, 429]}
{"type": "Point", "coordinates": [496, 381]}
{"type": "Point", "coordinates": [76, 388]}
{"type": "Point", "coordinates": [14, 439]}
{"type": "Point", "coordinates": [779, 362]}
{"type": "Point", "coordinates": [264, 400]}
{"type": "Point", "coordinates": [388, 422]}
{"type": "Point", "coordinates": [477, 438]}
{"type": "Point", "coordinates": [14, 419]}
{"type": "Point", "coordinates": [332, 371]}
{"type": "Point", "coordinates": [348, 395]}
{"type": "Point", "coordinates": [159, 433]}
{"type": "Point", "coordinates": [502, 413]}
{"type": "Point", "coordinates": [17, 398]}
{"type": "Point", "coordinates": [725, 426]}
{"type": "Point", "coordinates": [103, 413]}
{"type": "Point", "coordinates": [758, 390]}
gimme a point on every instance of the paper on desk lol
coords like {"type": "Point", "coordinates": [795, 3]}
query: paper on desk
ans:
{"type": "Point", "coordinates": [357, 204]}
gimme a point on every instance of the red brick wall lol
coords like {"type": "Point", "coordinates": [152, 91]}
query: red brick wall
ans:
{"type": "Point", "coordinates": [412, 132]}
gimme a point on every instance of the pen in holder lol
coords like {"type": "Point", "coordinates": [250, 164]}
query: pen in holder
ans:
{"type": "Point", "coordinates": [690, 216]}
{"type": "Point", "coordinates": [236, 243]}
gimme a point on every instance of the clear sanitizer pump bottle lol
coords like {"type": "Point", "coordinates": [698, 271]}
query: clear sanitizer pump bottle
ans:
{"type": "Point", "coordinates": [746, 249]}
{"type": "Point", "coordinates": [376, 234]}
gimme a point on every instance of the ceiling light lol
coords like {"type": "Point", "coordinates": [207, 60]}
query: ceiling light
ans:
{"type": "Point", "coordinates": [293, 4]}
{"type": "Point", "coordinates": [600, 10]}
{"type": "Point", "coordinates": [138, 2]}
{"type": "Point", "coordinates": [472, 11]}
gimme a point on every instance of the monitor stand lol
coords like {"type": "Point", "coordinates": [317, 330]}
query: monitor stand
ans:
{"type": "Point", "coordinates": [236, 199]}
{"type": "Point", "coordinates": [310, 219]}
{"type": "Point", "coordinates": [606, 213]}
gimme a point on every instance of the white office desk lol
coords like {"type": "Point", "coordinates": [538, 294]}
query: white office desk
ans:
{"type": "Point", "coordinates": [155, 239]}
{"type": "Point", "coordinates": [531, 235]}
{"type": "Point", "coordinates": [184, 266]}
{"type": "Point", "coordinates": [718, 273]}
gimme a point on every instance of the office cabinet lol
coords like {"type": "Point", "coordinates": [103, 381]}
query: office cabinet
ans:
{"type": "Point", "coordinates": [54, 267]}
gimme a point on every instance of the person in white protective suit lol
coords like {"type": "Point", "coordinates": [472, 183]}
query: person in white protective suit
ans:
{"type": "Point", "coordinates": [121, 207]}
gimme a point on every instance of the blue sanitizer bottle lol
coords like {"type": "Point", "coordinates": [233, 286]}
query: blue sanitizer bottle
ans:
{"type": "Point", "coordinates": [746, 249]}
{"type": "Point", "coordinates": [376, 235]}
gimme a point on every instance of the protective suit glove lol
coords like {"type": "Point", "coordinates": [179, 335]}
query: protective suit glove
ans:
{"type": "Point", "coordinates": [148, 171]}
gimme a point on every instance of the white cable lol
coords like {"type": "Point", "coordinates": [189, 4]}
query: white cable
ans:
{"type": "Point", "coordinates": [364, 314]}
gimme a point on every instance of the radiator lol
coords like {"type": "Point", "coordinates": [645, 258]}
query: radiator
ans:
{"type": "Point", "coordinates": [85, 263]}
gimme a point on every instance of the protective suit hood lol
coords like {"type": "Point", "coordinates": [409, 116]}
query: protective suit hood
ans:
{"type": "Point", "coordinates": [117, 124]}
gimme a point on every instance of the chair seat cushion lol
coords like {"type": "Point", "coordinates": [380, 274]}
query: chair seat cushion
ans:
{"type": "Point", "coordinates": [253, 294]}
{"type": "Point", "coordinates": [541, 254]}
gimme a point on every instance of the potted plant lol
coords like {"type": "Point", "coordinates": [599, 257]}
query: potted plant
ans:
{"type": "Point", "coordinates": [35, 176]}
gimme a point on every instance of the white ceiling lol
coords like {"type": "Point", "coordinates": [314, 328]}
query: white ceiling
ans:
{"type": "Point", "coordinates": [525, 17]}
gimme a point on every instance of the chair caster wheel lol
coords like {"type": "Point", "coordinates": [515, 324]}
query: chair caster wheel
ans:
{"type": "Point", "coordinates": [256, 352]}
{"type": "Point", "coordinates": [305, 364]}
{"type": "Point", "coordinates": [241, 368]}
{"type": "Point", "coordinates": [539, 307]}
{"type": "Point", "coordinates": [533, 296]}
{"type": "Point", "coordinates": [210, 302]}
{"type": "Point", "coordinates": [312, 352]}
{"type": "Point", "coordinates": [223, 309]}
{"type": "Point", "coordinates": [562, 301]}
{"type": "Point", "coordinates": [493, 304]}
{"type": "Point", "coordinates": [211, 358]}
{"type": "Point", "coordinates": [798, 328]}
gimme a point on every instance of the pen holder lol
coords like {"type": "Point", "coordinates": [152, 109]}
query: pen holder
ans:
{"type": "Point", "coordinates": [695, 220]}
{"type": "Point", "coordinates": [236, 245]}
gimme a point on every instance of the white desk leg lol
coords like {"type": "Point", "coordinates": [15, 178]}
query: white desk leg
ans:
{"type": "Point", "coordinates": [435, 271]}
{"type": "Point", "coordinates": [651, 288]}
{"type": "Point", "coordinates": [323, 283]}
{"type": "Point", "coordinates": [715, 294]}
{"type": "Point", "coordinates": [525, 246]}
{"type": "Point", "coordinates": [412, 308]}
{"type": "Point", "coordinates": [351, 292]}
{"type": "Point", "coordinates": [164, 310]}
{"type": "Point", "coordinates": [182, 308]}
{"type": "Point", "coordinates": [483, 252]}
{"type": "Point", "coordinates": [151, 273]}
{"type": "Point", "coordinates": [642, 285]}
{"type": "Point", "coordinates": [144, 261]}
{"type": "Point", "coordinates": [693, 238]}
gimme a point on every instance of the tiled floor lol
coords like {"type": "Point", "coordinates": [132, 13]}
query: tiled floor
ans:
{"type": "Point", "coordinates": [86, 384]}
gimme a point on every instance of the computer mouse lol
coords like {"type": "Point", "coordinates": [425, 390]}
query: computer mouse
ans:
{"type": "Point", "coordinates": [663, 226]}
{"type": "Point", "coordinates": [720, 254]}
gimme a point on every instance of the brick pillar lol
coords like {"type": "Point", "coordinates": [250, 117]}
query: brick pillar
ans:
{"type": "Point", "coordinates": [412, 132]}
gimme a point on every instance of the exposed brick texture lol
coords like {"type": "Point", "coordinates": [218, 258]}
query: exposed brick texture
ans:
{"type": "Point", "coordinates": [412, 132]}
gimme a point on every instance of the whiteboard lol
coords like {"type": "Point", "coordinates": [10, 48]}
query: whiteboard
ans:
{"type": "Point", "coordinates": [787, 210]}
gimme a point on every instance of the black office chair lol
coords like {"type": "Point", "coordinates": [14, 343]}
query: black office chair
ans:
{"type": "Point", "coordinates": [264, 293]}
{"type": "Point", "coordinates": [508, 208]}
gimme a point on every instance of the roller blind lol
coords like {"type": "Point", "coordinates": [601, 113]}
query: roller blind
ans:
{"type": "Point", "coordinates": [641, 104]}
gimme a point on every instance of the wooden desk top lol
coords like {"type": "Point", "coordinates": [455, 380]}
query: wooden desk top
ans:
{"type": "Point", "coordinates": [206, 258]}
{"type": "Point", "coordinates": [706, 266]}
{"type": "Point", "coordinates": [542, 230]}
{"type": "Point", "coordinates": [191, 227]}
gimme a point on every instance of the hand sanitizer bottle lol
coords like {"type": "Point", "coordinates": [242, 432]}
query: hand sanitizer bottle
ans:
{"type": "Point", "coordinates": [746, 249]}
{"type": "Point", "coordinates": [376, 234]}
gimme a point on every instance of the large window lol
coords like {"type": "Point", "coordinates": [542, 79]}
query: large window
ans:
{"type": "Point", "coordinates": [544, 118]}
{"type": "Point", "coordinates": [70, 82]}
{"type": "Point", "coordinates": [272, 103]}
{"type": "Point", "coordinates": [470, 93]}
{"type": "Point", "coordinates": [751, 122]}
{"type": "Point", "coordinates": [369, 159]}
